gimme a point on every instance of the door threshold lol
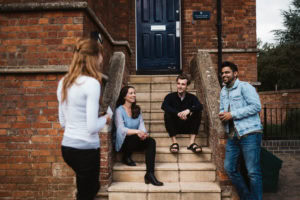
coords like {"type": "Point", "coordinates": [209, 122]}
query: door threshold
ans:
{"type": "Point", "coordinates": [157, 72]}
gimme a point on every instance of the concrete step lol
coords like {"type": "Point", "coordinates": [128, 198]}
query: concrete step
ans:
{"type": "Point", "coordinates": [156, 114]}
{"type": "Point", "coordinates": [166, 172]}
{"type": "Point", "coordinates": [152, 79]}
{"type": "Point", "coordinates": [163, 139]}
{"type": "Point", "coordinates": [145, 96]}
{"type": "Point", "coordinates": [164, 155]}
{"type": "Point", "coordinates": [152, 87]}
{"type": "Point", "coordinates": [174, 191]}
{"type": "Point", "coordinates": [153, 114]}
{"type": "Point", "coordinates": [155, 126]}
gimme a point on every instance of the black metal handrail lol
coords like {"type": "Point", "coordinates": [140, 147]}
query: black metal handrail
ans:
{"type": "Point", "coordinates": [281, 122]}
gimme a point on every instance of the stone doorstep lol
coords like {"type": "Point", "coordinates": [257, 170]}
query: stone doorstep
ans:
{"type": "Point", "coordinates": [151, 78]}
{"type": "Point", "coordinates": [136, 187]}
{"type": "Point", "coordinates": [164, 196]}
{"type": "Point", "coordinates": [182, 141]}
{"type": "Point", "coordinates": [174, 191]}
{"type": "Point", "coordinates": [147, 105]}
{"type": "Point", "coordinates": [166, 172]}
{"type": "Point", "coordinates": [162, 123]}
{"type": "Point", "coordinates": [167, 166]}
{"type": "Point", "coordinates": [158, 115]}
{"type": "Point", "coordinates": [158, 95]}
{"type": "Point", "coordinates": [170, 86]}
{"type": "Point", "coordinates": [163, 154]}
{"type": "Point", "coordinates": [160, 128]}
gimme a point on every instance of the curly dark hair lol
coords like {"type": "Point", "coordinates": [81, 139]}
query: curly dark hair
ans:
{"type": "Point", "coordinates": [135, 109]}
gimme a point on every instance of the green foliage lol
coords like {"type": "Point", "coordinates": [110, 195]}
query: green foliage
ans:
{"type": "Point", "coordinates": [279, 64]}
{"type": "Point", "coordinates": [292, 23]}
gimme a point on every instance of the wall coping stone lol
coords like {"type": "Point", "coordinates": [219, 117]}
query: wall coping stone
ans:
{"type": "Point", "coordinates": [249, 50]}
{"type": "Point", "coordinates": [209, 80]}
{"type": "Point", "coordinates": [281, 91]}
{"type": "Point", "coordinates": [37, 69]}
{"type": "Point", "coordinates": [82, 5]}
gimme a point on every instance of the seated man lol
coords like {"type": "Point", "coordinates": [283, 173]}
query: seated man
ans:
{"type": "Point", "coordinates": [182, 114]}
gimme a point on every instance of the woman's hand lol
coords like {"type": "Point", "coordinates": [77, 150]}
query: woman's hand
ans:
{"type": "Point", "coordinates": [142, 135]}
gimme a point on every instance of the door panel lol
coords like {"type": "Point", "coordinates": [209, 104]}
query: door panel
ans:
{"type": "Point", "coordinates": [158, 47]}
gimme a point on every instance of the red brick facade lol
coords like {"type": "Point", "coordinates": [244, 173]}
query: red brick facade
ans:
{"type": "Point", "coordinates": [30, 159]}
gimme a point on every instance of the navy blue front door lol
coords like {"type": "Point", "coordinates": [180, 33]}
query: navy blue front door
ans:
{"type": "Point", "coordinates": [158, 36]}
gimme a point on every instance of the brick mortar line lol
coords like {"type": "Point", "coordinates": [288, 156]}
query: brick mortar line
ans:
{"type": "Point", "coordinates": [83, 5]}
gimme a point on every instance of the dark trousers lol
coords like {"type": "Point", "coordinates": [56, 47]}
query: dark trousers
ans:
{"type": "Point", "coordinates": [86, 165]}
{"type": "Point", "coordinates": [133, 143]}
{"type": "Point", "coordinates": [175, 125]}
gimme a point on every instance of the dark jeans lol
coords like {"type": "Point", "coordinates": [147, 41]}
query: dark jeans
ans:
{"type": "Point", "coordinates": [86, 165]}
{"type": "Point", "coordinates": [250, 148]}
{"type": "Point", "coordinates": [133, 143]}
{"type": "Point", "coordinates": [175, 125]}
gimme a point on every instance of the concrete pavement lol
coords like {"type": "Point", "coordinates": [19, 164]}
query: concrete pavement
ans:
{"type": "Point", "coordinates": [289, 180]}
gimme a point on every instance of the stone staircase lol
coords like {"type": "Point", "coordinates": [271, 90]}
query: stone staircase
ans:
{"type": "Point", "coordinates": [186, 176]}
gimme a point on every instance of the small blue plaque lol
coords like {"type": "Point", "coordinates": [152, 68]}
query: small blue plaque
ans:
{"type": "Point", "coordinates": [201, 15]}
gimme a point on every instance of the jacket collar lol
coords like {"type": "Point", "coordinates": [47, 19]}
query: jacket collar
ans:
{"type": "Point", "coordinates": [236, 83]}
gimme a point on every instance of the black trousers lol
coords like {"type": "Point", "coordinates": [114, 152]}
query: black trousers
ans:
{"type": "Point", "coordinates": [86, 165]}
{"type": "Point", "coordinates": [133, 143]}
{"type": "Point", "coordinates": [175, 125]}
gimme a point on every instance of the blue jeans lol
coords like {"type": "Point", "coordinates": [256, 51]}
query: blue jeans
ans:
{"type": "Point", "coordinates": [249, 146]}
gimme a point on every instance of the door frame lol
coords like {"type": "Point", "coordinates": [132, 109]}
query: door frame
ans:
{"type": "Point", "coordinates": [180, 40]}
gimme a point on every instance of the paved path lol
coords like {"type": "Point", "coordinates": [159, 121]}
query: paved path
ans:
{"type": "Point", "coordinates": [289, 180]}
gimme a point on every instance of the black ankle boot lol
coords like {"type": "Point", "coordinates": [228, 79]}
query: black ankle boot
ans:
{"type": "Point", "coordinates": [128, 161]}
{"type": "Point", "coordinates": [150, 178]}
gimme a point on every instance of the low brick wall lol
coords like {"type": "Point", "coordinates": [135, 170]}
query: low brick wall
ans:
{"type": "Point", "coordinates": [280, 101]}
{"type": "Point", "coordinates": [280, 97]}
{"type": "Point", "coordinates": [279, 147]}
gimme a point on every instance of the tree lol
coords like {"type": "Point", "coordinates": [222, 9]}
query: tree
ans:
{"type": "Point", "coordinates": [279, 64]}
{"type": "Point", "coordinates": [292, 24]}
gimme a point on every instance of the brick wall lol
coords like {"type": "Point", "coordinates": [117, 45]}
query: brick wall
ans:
{"type": "Point", "coordinates": [278, 103]}
{"type": "Point", "coordinates": [38, 38]}
{"type": "Point", "coordinates": [279, 147]}
{"type": "Point", "coordinates": [31, 166]}
{"type": "Point", "coordinates": [239, 32]}
{"type": "Point", "coordinates": [280, 99]}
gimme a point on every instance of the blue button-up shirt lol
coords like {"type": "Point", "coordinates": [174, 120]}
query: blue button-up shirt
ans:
{"type": "Point", "coordinates": [244, 105]}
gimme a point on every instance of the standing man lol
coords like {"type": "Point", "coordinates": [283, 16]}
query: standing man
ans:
{"type": "Point", "coordinates": [182, 114]}
{"type": "Point", "coordinates": [239, 112]}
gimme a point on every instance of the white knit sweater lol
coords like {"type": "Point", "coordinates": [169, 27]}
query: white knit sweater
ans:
{"type": "Point", "coordinates": [79, 114]}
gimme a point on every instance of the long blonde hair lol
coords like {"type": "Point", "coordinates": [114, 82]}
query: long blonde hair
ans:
{"type": "Point", "coordinates": [84, 62]}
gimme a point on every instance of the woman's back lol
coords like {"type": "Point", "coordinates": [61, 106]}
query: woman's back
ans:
{"type": "Point", "coordinates": [79, 113]}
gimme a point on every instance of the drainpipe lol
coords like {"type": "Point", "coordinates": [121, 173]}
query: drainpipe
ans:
{"type": "Point", "coordinates": [219, 32]}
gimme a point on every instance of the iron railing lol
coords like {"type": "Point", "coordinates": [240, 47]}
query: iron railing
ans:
{"type": "Point", "coordinates": [281, 122]}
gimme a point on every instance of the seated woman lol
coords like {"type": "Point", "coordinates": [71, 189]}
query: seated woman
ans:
{"type": "Point", "coordinates": [131, 134]}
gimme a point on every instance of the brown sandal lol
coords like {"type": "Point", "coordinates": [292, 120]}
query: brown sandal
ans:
{"type": "Point", "coordinates": [174, 146]}
{"type": "Point", "coordinates": [193, 147]}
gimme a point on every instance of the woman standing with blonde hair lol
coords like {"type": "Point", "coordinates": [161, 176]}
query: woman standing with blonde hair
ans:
{"type": "Point", "coordinates": [78, 94]}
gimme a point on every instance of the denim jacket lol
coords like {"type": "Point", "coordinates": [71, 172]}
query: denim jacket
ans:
{"type": "Point", "coordinates": [244, 107]}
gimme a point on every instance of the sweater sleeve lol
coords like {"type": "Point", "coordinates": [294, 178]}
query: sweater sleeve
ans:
{"type": "Point", "coordinates": [167, 106]}
{"type": "Point", "coordinates": [94, 123]}
{"type": "Point", "coordinates": [195, 106]}
{"type": "Point", "coordinates": [61, 116]}
{"type": "Point", "coordinates": [121, 129]}
{"type": "Point", "coordinates": [142, 124]}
